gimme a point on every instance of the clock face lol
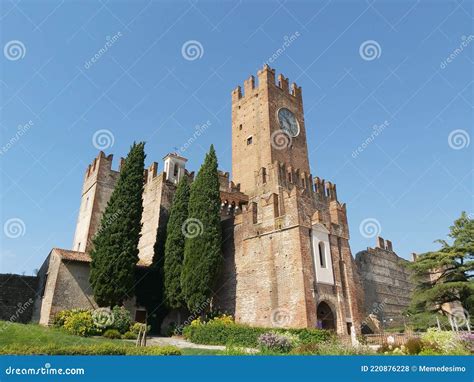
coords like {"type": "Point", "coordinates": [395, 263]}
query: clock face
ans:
{"type": "Point", "coordinates": [288, 122]}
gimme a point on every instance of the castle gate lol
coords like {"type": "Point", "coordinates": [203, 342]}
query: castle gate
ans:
{"type": "Point", "coordinates": [325, 316]}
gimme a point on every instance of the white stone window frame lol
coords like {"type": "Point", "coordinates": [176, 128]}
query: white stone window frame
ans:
{"type": "Point", "coordinates": [320, 234]}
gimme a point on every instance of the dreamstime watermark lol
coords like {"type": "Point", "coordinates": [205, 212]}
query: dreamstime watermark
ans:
{"type": "Point", "coordinates": [280, 317]}
{"type": "Point", "coordinates": [45, 370]}
{"type": "Point", "coordinates": [280, 139]}
{"type": "Point", "coordinates": [103, 317]}
{"type": "Point", "coordinates": [14, 228]}
{"type": "Point", "coordinates": [103, 139]}
{"type": "Point", "coordinates": [21, 309]}
{"type": "Point", "coordinates": [459, 139]}
{"type": "Point", "coordinates": [198, 131]}
{"type": "Point", "coordinates": [192, 228]}
{"type": "Point", "coordinates": [376, 309]}
{"type": "Point", "coordinates": [195, 314]}
{"type": "Point", "coordinates": [192, 50]}
{"type": "Point", "coordinates": [110, 41]}
{"type": "Point", "coordinates": [14, 50]}
{"type": "Point", "coordinates": [370, 50]}
{"type": "Point", "coordinates": [287, 41]}
{"type": "Point", "coordinates": [104, 224]}
{"type": "Point", "coordinates": [376, 131]}
{"type": "Point", "coordinates": [370, 228]}
{"type": "Point", "coordinates": [459, 317]}
{"type": "Point", "coordinates": [21, 131]}
{"type": "Point", "coordinates": [465, 41]}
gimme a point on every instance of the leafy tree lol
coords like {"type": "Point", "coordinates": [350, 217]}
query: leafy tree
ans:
{"type": "Point", "coordinates": [115, 247]}
{"type": "Point", "coordinates": [446, 275]}
{"type": "Point", "coordinates": [174, 247]}
{"type": "Point", "coordinates": [202, 250]}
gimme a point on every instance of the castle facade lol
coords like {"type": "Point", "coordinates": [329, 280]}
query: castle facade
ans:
{"type": "Point", "coordinates": [287, 259]}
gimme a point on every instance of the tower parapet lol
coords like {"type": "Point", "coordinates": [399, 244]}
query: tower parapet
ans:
{"type": "Point", "coordinates": [232, 200]}
{"type": "Point", "coordinates": [325, 189]}
{"type": "Point", "coordinates": [266, 78]}
{"type": "Point", "coordinates": [99, 183]}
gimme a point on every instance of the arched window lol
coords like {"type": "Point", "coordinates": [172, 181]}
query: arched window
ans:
{"type": "Point", "coordinates": [322, 255]}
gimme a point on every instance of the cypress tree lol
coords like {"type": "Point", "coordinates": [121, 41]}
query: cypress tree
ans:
{"type": "Point", "coordinates": [150, 283]}
{"type": "Point", "coordinates": [174, 247]}
{"type": "Point", "coordinates": [202, 229]}
{"type": "Point", "coordinates": [115, 250]}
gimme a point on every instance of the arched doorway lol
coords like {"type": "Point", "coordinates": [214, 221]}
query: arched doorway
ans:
{"type": "Point", "coordinates": [325, 316]}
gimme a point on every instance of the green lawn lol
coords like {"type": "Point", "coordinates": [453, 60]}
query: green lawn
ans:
{"type": "Point", "coordinates": [33, 335]}
{"type": "Point", "coordinates": [36, 335]}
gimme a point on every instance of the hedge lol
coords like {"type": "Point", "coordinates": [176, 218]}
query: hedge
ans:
{"type": "Point", "coordinates": [218, 333]}
{"type": "Point", "coordinates": [100, 349]}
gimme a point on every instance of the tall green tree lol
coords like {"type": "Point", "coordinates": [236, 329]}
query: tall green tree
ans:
{"type": "Point", "coordinates": [202, 229]}
{"type": "Point", "coordinates": [446, 275]}
{"type": "Point", "coordinates": [150, 280]}
{"type": "Point", "coordinates": [174, 247]}
{"type": "Point", "coordinates": [115, 247]}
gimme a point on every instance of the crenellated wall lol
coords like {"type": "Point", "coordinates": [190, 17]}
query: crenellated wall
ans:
{"type": "Point", "coordinates": [386, 281]}
{"type": "Point", "coordinates": [99, 183]}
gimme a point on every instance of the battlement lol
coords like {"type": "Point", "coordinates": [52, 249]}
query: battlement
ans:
{"type": "Point", "coordinates": [101, 161]}
{"type": "Point", "coordinates": [226, 184]}
{"type": "Point", "coordinates": [384, 244]}
{"type": "Point", "coordinates": [266, 78]}
{"type": "Point", "coordinates": [151, 172]}
{"type": "Point", "coordinates": [325, 188]}
{"type": "Point", "coordinates": [232, 199]}
{"type": "Point", "coordinates": [291, 176]}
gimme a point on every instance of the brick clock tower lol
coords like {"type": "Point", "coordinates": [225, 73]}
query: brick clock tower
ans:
{"type": "Point", "coordinates": [293, 264]}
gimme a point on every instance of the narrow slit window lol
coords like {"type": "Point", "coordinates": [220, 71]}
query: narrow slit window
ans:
{"type": "Point", "coordinates": [322, 255]}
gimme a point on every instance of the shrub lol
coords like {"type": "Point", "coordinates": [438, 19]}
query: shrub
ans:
{"type": "Point", "coordinates": [429, 352]}
{"type": "Point", "coordinates": [103, 318]}
{"type": "Point", "coordinates": [153, 350]}
{"type": "Point", "coordinates": [413, 345]}
{"type": "Point", "coordinates": [60, 317]}
{"type": "Point", "coordinates": [467, 340]}
{"type": "Point", "coordinates": [223, 319]}
{"type": "Point", "coordinates": [80, 324]}
{"type": "Point", "coordinates": [222, 331]}
{"type": "Point", "coordinates": [234, 350]}
{"type": "Point", "coordinates": [305, 349]}
{"type": "Point", "coordinates": [112, 334]}
{"type": "Point", "coordinates": [338, 348]}
{"type": "Point", "coordinates": [308, 335]}
{"type": "Point", "coordinates": [98, 349]}
{"type": "Point", "coordinates": [129, 336]}
{"type": "Point", "coordinates": [274, 342]}
{"type": "Point", "coordinates": [122, 319]}
{"type": "Point", "coordinates": [217, 333]}
{"type": "Point", "coordinates": [443, 342]}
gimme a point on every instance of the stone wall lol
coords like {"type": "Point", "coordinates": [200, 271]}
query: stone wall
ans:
{"type": "Point", "coordinates": [386, 283]}
{"type": "Point", "coordinates": [17, 296]}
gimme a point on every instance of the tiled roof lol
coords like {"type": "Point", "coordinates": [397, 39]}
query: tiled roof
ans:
{"type": "Point", "coordinates": [67, 254]}
{"type": "Point", "coordinates": [72, 255]}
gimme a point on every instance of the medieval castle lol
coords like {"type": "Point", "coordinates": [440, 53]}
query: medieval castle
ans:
{"type": "Point", "coordinates": [287, 259]}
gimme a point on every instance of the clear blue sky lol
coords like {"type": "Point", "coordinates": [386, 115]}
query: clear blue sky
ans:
{"type": "Point", "coordinates": [409, 178]}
